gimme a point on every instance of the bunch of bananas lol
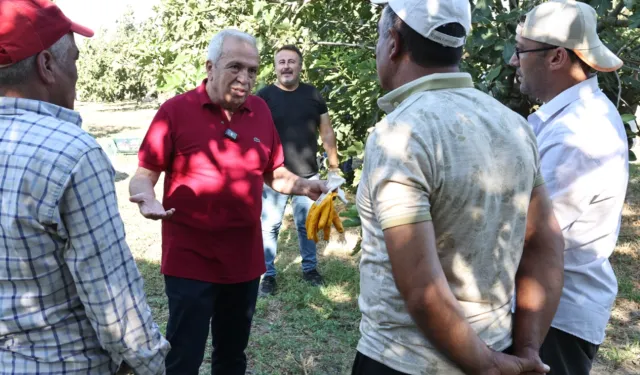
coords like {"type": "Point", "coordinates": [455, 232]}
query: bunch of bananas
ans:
{"type": "Point", "coordinates": [321, 216]}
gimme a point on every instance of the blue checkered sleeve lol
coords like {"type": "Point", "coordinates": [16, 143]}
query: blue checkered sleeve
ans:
{"type": "Point", "coordinates": [105, 273]}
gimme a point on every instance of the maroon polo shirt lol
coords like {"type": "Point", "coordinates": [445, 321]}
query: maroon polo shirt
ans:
{"type": "Point", "coordinates": [214, 183]}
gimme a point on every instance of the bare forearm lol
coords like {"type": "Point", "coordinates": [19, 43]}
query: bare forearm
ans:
{"type": "Point", "coordinates": [439, 317]}
{"type": "Point", "coordinates": [428, 297]}
{"type": "Point", "coordinates": [540, 275]}
{"type": "Point", "coordinates": [329, 144]}
{"type": "Point", "coordinates": [538, 288]}
{"type": "Point", "coordinates": [142, 184]}
{"type": "Point", "coordinates": [285, 182]}
{"type": "Point", "coordinates": [329, 140]}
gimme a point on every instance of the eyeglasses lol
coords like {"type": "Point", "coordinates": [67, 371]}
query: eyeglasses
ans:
{"type": "Point", "coordinates": [518, 51]}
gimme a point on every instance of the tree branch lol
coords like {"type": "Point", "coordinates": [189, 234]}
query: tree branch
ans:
{"type": "Point", "coordinates": [619, 90]}
{"type": "Point", "coordinates": [344, 45]}
{"type": "Point", "coordinates": [632, 68]}
{"type": "Point", "coordinates": [628, 44]}
{"type": "Point", "coordinates": [612, 18]}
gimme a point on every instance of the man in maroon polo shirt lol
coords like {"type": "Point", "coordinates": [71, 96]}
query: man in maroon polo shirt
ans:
{"type": "Point", "coordinates": [217, 145]}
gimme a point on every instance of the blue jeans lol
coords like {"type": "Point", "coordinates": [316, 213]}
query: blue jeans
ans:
{"type": "Point", "coordinates": [273, 206]}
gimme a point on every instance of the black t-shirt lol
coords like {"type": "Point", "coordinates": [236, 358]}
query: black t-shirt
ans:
{"type": "Point", "coordinates": [297, 118]}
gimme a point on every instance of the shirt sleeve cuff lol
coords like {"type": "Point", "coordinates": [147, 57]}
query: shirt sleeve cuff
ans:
{"type": "Point", "coordinates": [404, 220]}
{"type": "Point", "coordinates": [149, 166]}
{"type": "Point", "coordinates": [275, 166]}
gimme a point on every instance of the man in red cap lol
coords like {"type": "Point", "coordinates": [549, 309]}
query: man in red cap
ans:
{"type": "Point", "coordinates": [71, 297]}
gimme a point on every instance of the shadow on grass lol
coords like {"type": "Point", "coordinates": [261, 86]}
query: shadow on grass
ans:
{"type": "Point", "coordinates": [104, 131]}
{"type": "Point", "coordinates": [305, 329]}
{"type": "Point", "coordinates": [129, 106]}
{"type": "Point", "coordinates": [121, 176]}
{"type": "Point", "coordinates": [621, 350]}
{"type": "Point", "coordinates": [300, 330]}
{"type": "Point", "coordinates": [308, 330]}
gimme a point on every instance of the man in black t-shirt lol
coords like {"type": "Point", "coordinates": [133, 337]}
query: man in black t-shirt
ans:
{"type": "Point", "coordinates": [299, 113]}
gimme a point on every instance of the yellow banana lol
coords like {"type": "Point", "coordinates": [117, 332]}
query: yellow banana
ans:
{"type": "Point", "coordinates": [327, 227]}
{"type": "Point", "coordinates": [313, 220]}
{"type": "Point", "coordinates": [326, 205]}
{"type": "Point", "coordinates": [314, 206]}
{"type": "Point", "coordinates": [337, 222]}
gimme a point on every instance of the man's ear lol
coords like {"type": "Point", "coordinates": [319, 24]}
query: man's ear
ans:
{"type": "Point", "coordinates": [210, 68]}
{"type": "Point", "coordinates": [395, 49]}
{"type": "Point", "coordinates": [44, 65]}
{"type": "Point", "coordinates": [558, 58]}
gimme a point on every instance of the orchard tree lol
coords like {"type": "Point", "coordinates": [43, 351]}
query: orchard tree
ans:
{"type": "Point", "coordinates": [166, 54]}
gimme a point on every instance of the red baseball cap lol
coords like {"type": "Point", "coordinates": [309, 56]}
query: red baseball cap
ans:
{"type": "Point", "coordinates": [28, 27]}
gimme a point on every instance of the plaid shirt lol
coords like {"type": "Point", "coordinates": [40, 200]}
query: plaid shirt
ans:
{"type": "Point", "coordinates": [71, 296]}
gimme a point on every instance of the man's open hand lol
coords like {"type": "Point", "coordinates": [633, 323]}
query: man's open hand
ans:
{"type": "Point", "coordinates": [150, 207]}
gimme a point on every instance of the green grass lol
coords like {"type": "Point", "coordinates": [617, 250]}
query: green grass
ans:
{"type": "Point", "coordinates": [628, 287]}
{"type": "Point", "coordinates": [309, 330]}
{"type": "Point", "coordinates": [618, 356]}
{"type": "Point", "coordinates": [620, 353]}
{"type": "Point", "coordinates": [306, 330]}
{"type": "Point", "coordinates": [300, 330]}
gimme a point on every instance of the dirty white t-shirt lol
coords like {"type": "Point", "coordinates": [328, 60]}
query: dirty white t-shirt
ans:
{"type": "Point", "coordinates": [449, 153]}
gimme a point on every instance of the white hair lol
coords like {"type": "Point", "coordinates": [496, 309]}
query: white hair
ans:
{"type": "Point", "coordinates": [215, 46]}
{"type": "Point", "coordinates": [21, 71]}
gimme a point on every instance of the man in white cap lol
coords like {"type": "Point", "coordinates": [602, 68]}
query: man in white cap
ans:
{"type": "Point", "coordinates": [455, 216]}
{"type": "Point", "coordinates": [584, 161]}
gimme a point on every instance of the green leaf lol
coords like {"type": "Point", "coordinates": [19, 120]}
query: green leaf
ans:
{"type": "Point", "coordinates": [509, 50]}
{"type": "Point", "coordinates": [181, 59]}
{"type": "Point", "coordinates": [481, 19]}
{"type": "Point", "coordinates": [351, 223]}
{"type": "Point", "coordinates": [601, 6]}
{"type": "Point", "coordinates": [507, 17]}
{"type": "Point", "coordinates": [632, 156]}
{"type": "Point", "coordinates": [357, 176]}
{"type": "Point", "coordinates": [483, 7]}
{"type": "Point", "coordinates": [358, 247]}
{"type": "Point", "coordinates": [493, 73]}
{"type": "Point", "coordinates": [634, 20]}
{"type": "Point", "coordinates": [627, 118]}
{"type": "Point", "coordinates": [350, 214]}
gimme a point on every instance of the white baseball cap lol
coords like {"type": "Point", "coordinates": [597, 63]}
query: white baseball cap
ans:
{"type": "Point", "coordinates": [425, 16]}
{"type": "Point", "coordinates": [572, 25]}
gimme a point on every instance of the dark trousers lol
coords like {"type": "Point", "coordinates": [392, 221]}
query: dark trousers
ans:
{"type": "Point", "coordinates": [364, 365]}
{"type": "Point", "coordinates": [194, 307]}
{"type": "Point", "coordinates": [567, 354]}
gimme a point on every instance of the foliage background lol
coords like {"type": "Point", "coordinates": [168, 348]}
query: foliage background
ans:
{"type": "Point", "coordinates": [165, 55]}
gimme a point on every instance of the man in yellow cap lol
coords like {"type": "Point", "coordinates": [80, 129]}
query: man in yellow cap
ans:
{"type": "Point", "coordinates": [584, 161]}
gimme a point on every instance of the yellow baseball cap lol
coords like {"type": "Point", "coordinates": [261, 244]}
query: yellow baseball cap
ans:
{"type": "Point", "coordinates": [572, 25]}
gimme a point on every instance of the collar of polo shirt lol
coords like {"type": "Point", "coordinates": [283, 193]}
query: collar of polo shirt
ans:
{"type": "Point", "coordinates": [437, 81]}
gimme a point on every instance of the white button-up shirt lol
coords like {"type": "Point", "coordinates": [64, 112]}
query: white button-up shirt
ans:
{"type": "Point", "coordinates": [584, 161]}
